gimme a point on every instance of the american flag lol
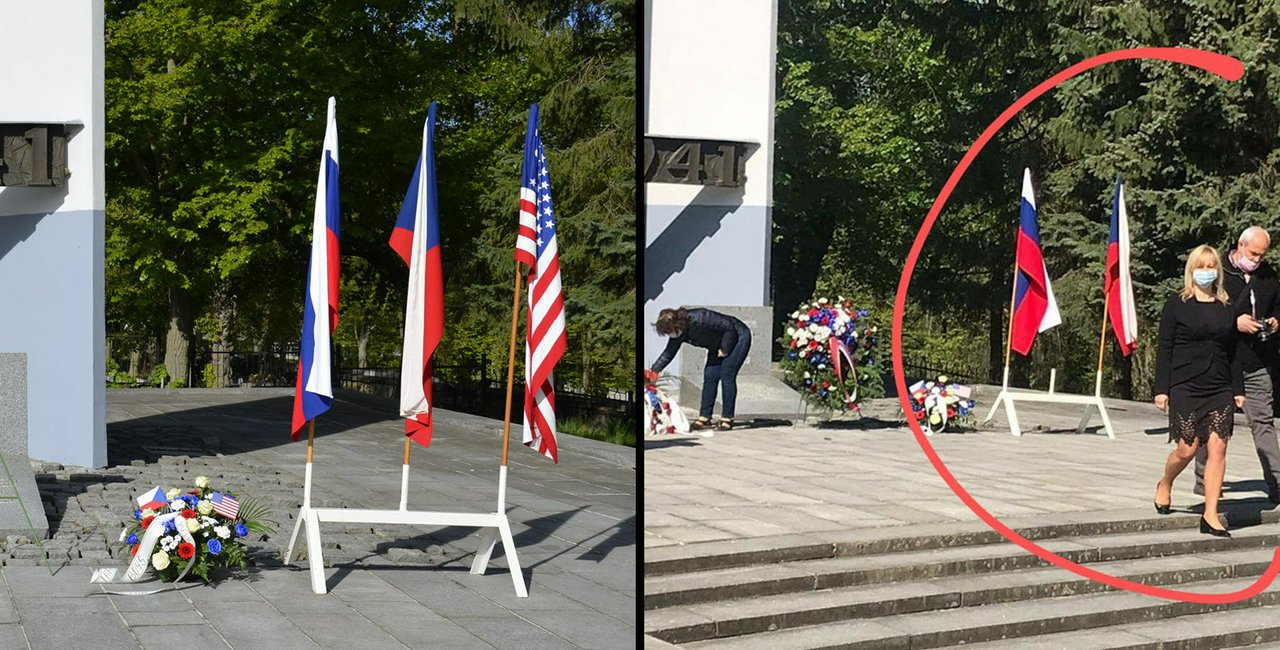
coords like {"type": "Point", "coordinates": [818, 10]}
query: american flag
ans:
{"type": "Point", "coordinates": [225, 505]}
{"type": "Point", "coordinates": [536, 247]}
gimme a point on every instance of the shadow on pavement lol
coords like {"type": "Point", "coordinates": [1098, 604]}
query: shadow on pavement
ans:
{"type": "Point", "coordinates": [223, 428]}
{"type": "Point", "coordinates": [677, 442]}
{"type": "Point", "coordinates": [861, 424]}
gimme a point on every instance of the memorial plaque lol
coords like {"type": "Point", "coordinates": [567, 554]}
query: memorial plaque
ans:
{"type": "Point", "coordinates": [13, 445]}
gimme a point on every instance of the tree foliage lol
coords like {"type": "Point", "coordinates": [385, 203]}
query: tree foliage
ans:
{"type": "Point", "coordinates": [215, 113]}
{"type": "Point", "coordinates": [878, 102]}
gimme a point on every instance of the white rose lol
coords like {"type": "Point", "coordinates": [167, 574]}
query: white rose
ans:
{"type": "Point", "coordinates": [804, 318]}
{"type": "Point", "coordinates": [148, 513]}
{"type": "Point", "coordinates": [172, 493]}
{"type": "Point", "coordinates": [813, 327]}
{"type": "Point", "coordinates": [822, 301]}
{"type": "Point", "coordinates": [791, 331]}
{"type": "Point", "coordinates": [204, 507]}
{"type": "Point", "coordinates": [193, 525]}
{"type": "Point", "coordinates": [807, 375]}
{"type": "Point", "coordinates": [122, 533]}
{"type": "Point", "coordinates": [177, 504]}
{"type": "Point", "coordinates": [202, 482]}
{"type": "Point", "coordinates": [222, 531]}
{"type": "Point", "coordinates": [822, 366]}
{"type": "Point", "coordinates": [160, 561]}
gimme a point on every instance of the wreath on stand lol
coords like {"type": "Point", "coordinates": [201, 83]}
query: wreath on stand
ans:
{"type": "Point", "coordinates": [832, 355]}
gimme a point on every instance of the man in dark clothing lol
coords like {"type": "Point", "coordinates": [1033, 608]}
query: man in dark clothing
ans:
{"type": "Point", "coordinates": [727, 341]}
{"type": "Point", "coordinates": [1254, 292]}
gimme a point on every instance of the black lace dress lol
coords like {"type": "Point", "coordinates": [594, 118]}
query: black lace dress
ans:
{"type": "Point", "coordinates": [1196, 367]}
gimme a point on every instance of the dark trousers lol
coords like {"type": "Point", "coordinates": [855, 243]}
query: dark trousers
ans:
{"type": "Point", "coordinates": [724, 371]}
{"type": "Point", "coordinates": [1258, 395]}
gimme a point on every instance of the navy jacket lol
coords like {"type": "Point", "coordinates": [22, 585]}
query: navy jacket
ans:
{"type": "Point", "coordinates": [707, 329]}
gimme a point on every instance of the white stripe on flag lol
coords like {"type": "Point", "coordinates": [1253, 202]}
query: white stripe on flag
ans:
{"type": "Point", "coordinates": [319, 380]}
{"type": "Point", "coordinates": [1128, 308]}
{"type": "Point", "coordinates": [413, 399]}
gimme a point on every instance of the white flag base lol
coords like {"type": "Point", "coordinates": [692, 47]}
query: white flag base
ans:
{"type": "Point", "coordinates": [497, 522]}
{"type": "Point", "coordinates": [1009, 398]}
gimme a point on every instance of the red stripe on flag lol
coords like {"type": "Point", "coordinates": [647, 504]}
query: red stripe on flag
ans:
{"type": "Point", "coordinates": [299, 420]}
{"type": "Point", "coordinates": [332, 241]}
{"type": "Point", "coordinates": [402, 243]}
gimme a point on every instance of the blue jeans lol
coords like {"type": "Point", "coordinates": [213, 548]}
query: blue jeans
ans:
{"type": "Point", "coordinates": [724, 371]}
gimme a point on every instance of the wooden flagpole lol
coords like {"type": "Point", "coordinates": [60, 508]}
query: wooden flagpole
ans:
{"type": "Point", "coordinates": [511, 371]}
{"type": "Point", "coordinates": [404, 477]}
{"type": "Point", "coordinates": [1102, 341]}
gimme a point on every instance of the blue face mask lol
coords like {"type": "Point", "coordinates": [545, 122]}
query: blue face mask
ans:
{"type": "Point", "coordinates": [1204, 277]}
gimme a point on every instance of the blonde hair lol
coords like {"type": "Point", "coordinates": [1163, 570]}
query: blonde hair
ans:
{"type": "Point", "coordinates": [1198, 255]}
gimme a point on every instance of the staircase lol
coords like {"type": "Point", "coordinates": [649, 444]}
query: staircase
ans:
{"type": "Point", "coordinates": [930, 588]}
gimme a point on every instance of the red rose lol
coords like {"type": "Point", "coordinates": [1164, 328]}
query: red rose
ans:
{"type": "Point", "coordinates": [188, 513]}
{"type": "Point", "coordinates": [194, 493]}
{"type": "Point", "coordinates": [133, 551]}
{"type": "Point", "coordinates": [146, 521]}
{"type": "Point", "coordinates": [186, 550]}
{"type": "Point", "coordinates": [794, 343]}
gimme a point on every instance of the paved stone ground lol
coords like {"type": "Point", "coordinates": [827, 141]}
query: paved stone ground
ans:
{"type": "Point", "coordinates": [389, 586]}
{"type": "Point", "coordinates": [850, 474]}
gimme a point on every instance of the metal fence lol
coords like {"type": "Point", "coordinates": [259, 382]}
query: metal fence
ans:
{"type": "Point", "coordinates": [469, 389]}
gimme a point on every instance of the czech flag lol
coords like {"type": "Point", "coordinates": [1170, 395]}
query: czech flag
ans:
{"type": "Point", "coordinates": [155, 499]}
{"type": "Point", "coordinates": [416, 238]}
{"type": "Point", "coordinates": [1119, 282]}
{"type": "Point", "coordinates": [314, 392]}
{"type": "Point", "coordinates": [1034, 309]}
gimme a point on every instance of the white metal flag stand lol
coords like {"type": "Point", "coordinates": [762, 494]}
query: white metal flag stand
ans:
{"type": "Point", "coordinates": [1009, 397]}
{"type": "Point", "coordinates": [495, 524]}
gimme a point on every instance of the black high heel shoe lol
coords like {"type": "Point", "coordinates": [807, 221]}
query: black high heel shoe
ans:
{"type": "Point", "coordinates": [1161, 509]}
{"type": "Point", "coordinates": [1216, 532]}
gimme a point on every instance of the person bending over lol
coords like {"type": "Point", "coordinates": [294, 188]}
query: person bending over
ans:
{"type": "Point", "coordinates": [727, 341]}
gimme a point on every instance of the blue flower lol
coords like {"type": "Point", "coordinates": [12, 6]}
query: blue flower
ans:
{"type": "Point", "coordinates": [792, 356]}
{"type": "Point", "coordinates": [215, 547]}
{"type": "Point", "coordinates": [191, 499]}
{"type": "Point", "coordinates": [133, 539]}
{"type": "Point", "coordinates": [170, 527]}
{"type": "Point", "coordinates": [241, 530]}
{"type": "Point", "coordinates": [137, 514]}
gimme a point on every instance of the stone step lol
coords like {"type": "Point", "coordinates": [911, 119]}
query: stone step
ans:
{"type": "Point", "coordinates": [1246, 627]}
{"type": "Point", "coordinates": [828, 573]}
{"type": "Point", "coordinates": [705, 556]}
{"type": "Point", "coordinates": [1021, 621]}
{"type": "Point", "coordinates": [684, 624]}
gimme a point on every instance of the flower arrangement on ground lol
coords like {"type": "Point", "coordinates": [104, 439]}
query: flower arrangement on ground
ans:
{"type": "Point", "coordinates": [664, 416]}
{"type": "Point", "coordinates": [195, 532]}
{"type": "Point", "coordinates": [832, 355]}
{"type": "Point", "coordinates": [939, 403]}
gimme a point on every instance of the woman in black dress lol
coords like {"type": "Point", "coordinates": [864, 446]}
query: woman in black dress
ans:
{"type": "Point", "coordinates": [1197, 380]}
{"type": "Point", "coordinates": [727, 341]}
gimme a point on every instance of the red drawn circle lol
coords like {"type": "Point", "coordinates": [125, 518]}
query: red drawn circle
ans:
{"type": "Point", "coordinates": [1224, 66]}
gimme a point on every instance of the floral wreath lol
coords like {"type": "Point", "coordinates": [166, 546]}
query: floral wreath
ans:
{"type": "Point", "coordinates": [832, 356]}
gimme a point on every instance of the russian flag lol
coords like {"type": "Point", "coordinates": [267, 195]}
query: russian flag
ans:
{"type": "Point", "coordinates": [1034, 309]}
{"type": "Point", "coordinates": [1119, 282]}
{"type": "Point", "coordinates": [314, 392]}
{"type": "Point", "coordinates": [416, 238]}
